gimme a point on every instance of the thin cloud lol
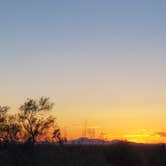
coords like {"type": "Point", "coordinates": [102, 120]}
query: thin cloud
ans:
{"type": "Point", "coordinates": [162, 134]}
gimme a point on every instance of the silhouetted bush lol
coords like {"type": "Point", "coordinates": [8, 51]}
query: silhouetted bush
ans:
{"type": "Point", "coordinates": [47, 154]}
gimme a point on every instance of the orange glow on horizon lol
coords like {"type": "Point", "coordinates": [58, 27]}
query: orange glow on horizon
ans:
{"type": "Point", "coordinates": [139, 136]}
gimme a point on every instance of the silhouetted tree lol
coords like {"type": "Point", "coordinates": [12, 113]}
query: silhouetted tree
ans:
{"type": "Point", "coordinates": [9, 126]}
{"type": "Point", "coordinates": [35, 119]}
{"type": "Point", "coordinates": [3, 126]}
{"type": "Point", "coordinates": [13, 128]}
{"type": "Point", "coordinates": [58, 137]}
{"type": "Point", "coordinates": [3, 112]}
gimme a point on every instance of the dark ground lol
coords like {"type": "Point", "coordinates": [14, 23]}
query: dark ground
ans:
{"type": "Point", "coordinates": [119, 154]}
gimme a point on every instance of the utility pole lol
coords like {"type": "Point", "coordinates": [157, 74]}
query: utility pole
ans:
{"type": "Point", "coordinates": [84, 130]}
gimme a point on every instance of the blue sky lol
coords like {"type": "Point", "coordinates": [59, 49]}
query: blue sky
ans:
{"type": "Point", "coordinates": [87, 54]}
{"type": "Point", "coordinates": [78, 24]}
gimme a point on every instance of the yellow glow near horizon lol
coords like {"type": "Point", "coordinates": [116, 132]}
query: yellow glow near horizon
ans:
{"type": "Point", "coordinates": [144, 136]}
{"type": "Point", "coordinates": [140, 124]}
{"type": "Point", "coordinates": [138, 136]}
{"type": "Point", "coordinates": [116, 122]}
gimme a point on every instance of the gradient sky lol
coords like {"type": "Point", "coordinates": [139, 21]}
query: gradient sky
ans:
{"type": "Point", "coordinates": [103, 63]}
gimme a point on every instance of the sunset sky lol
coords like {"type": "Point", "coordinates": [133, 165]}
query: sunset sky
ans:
{"type": "Point", "coordinates": [102, 62]}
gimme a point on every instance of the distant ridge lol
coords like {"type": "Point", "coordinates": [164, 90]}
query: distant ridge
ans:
{"type": "Point", "coordinates": [97, 141]}
{"type": "Point", "coordinates": [94, 141]}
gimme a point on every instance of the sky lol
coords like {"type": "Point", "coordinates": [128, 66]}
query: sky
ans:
{"type": "Point", "coordinates": [102, 62]}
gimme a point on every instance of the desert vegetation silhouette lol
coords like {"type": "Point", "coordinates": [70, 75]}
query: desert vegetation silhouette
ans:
{"type": "Point", "coordinates": [33, 122]}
